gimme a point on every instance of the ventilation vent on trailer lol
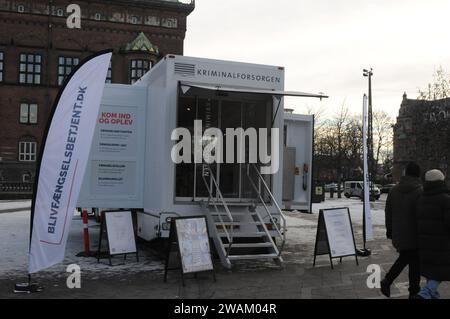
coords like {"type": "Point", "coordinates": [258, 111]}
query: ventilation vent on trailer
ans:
{"type": "Point", "coordinates": [185, 69]}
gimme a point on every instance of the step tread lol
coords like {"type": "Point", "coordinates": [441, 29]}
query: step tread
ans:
{"type": "Point", "coordinates": [243, 234]}
{"type": "Point", "coordinates": [234, 214]}
{"type": "Point", "coordinates": [238, 223]}
{"type": "Point", "coordinates": [230, 204]}
{"type": "Point", "coordinates": [256, 256]}
{"type": "Point", "coordinates": [251, 245]}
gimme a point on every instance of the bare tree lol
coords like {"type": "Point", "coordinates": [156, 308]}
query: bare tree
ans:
{"type": "Point", "coordinates": [318, 113]}
{"type": "Point", "coordinates": [387, 161]}
{"type": "Point", "coordinates": [439, 88]}
{"type": "Point", "coordinates": [338, 146]}
{"type": "Point", "coordinates": [383, 135]}
{"type": "Point", "coordinates": [338, 126]}
{"type": "Point", "coordinates": [353, 144]}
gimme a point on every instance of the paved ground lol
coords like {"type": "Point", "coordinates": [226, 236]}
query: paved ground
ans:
{"type": "Point", "coordinates": [297, 279]}
{"type": "Point", "coordinates": [246, 280]}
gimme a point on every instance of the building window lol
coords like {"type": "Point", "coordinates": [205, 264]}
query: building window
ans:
{"type": "Point", "coordinates": [117, 17]}
{"type": "Point", "coordinates": [2, 57]}
{"type": "Point", "coordinates": [27, 177]}
{"type": "Point", "coordinates": [138, 68]}
{"type": "Point", "coordinates": [27, 151]}
{"type": "Point", "coordinates": [30, 68]}
{"type": "Point", "coordinates": [65, 67]}
{"type": "Point", "coordinates": [21, 8]}
{"type": "Point", "coordinates": [28, 113]}
{"type": "Point", "coordinates": [170, 23]}
{"type": "Point", "coordinates": [152, 20]}
{"type": "Point", "coordinates": [109, 75]}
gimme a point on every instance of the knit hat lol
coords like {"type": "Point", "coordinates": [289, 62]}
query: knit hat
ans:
{"type": "Point", "coordinates": [434, 175]}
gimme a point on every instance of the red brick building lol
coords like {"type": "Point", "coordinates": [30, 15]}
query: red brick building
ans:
{"type": "Point", "coordinates": [38, 50]}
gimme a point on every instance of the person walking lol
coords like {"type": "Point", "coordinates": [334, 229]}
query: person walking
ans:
{"type": "Point", "coordinates": [401, 228]}
{"type": "Point", "coordinates": [433, 218]}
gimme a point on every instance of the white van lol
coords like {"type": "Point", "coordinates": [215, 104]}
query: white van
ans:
{"type": "Point", "coordinates": [355, 189]}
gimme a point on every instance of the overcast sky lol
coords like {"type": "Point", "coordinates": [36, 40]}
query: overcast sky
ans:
{"type": "Point", "coordinates": [325, 44]}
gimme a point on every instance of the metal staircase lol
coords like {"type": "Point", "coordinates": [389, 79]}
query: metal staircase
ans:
{"type": "Point", "coordinates": [239, 231]}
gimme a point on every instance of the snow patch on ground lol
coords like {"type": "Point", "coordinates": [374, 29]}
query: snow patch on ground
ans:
{"type": "Point", "coordinates": [14, 204]}
{"type": "Point", "coordinates": [14, 239]}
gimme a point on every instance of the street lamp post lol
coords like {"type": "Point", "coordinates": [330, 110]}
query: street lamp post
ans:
{"type": "Point", "coordinates": [372, 173]}
{"type": "Point", "coordinates": [365, 252]}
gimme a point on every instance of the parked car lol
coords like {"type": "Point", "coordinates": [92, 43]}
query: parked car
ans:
{"type": "Point", "coordinates": [355, 189]}
{"type": "Point", "coordinates": [385, 189]}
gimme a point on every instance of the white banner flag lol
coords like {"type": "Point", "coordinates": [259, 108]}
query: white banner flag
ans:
{"type": "Point", "coordinates": [368, 230]}
{"type": "Point", "coordinates": [64, 160]}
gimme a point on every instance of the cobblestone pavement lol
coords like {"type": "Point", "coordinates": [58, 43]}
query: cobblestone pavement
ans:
{"type": "Point", "coordinates": [246, 280]}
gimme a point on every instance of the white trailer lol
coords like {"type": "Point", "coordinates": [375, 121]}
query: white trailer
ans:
{"type": "Point", "coordinates": [131, 162]}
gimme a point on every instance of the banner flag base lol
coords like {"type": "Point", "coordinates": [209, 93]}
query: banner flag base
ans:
{"type": "Point", "coordinates": [27, 288]}
{"type": "Point", "coordinates": [91, 254]}
{"type": "Point", "coordinates": [363, 252]}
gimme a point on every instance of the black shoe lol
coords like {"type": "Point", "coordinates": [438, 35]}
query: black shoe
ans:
{"type": "Point", "coordinates": [414, 293]}
{"type": "Point", "coordinates": [385, 288]}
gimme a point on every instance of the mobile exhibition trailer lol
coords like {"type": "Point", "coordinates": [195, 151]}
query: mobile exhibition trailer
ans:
{"type": "Point", "coordinates": [135, 162]}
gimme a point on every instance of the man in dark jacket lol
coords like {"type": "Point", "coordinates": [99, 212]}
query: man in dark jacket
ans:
{"type": "Point", "coordinates": [433, 217]}
{"type": "Point", "coordinates": [401, 227]}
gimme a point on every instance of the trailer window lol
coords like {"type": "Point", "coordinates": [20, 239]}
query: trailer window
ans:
{"type": "Point", "coordinates": [285, 135]}
{"type": "Point", "coordinates": [187, 112]}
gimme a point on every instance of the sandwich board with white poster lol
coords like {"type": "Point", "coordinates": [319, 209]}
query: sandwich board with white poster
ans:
{"type": "Point", "coordinates": [191, 236]}
{"type": "Point", "coordinates": [335, 235]}
{"type": "Point", "coordinates": [120, 235]}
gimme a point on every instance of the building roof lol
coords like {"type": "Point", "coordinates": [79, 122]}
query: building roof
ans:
{"type": "Point", "coordinates": [186, 6]}
{"type": "Point", "coordinates": [142, 43]}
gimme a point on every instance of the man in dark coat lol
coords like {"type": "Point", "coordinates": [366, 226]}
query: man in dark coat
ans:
{"type": "Point", "coordinates": [401, 227]}
{"type": "Point", "coordinates": [433, 217]}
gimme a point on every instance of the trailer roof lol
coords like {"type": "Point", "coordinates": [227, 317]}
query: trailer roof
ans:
{"type": "Point", "coordinates": [248, 90]}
